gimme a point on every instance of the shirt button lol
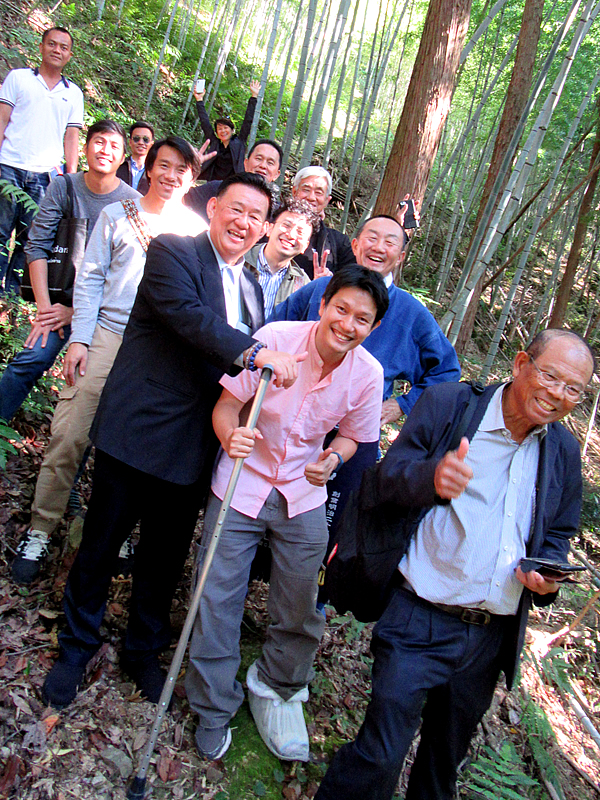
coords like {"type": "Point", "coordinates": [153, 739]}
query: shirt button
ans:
{"type": "Point", "coordinates": [514, 480]}
{"type": "Point", "coordinates": [497, 583]}
{"type": "Point", "coordinates": [505, 549]}
{"type": "Point", "coordinates": [509, 514]}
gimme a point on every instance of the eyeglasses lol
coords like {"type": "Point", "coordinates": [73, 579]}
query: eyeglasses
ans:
{"type": "Point", "coordinates": [572, 393]}
{"type": "Point", "coordinates": [144, 139]}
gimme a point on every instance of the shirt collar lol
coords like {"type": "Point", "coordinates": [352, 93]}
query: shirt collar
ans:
{"type": "Point", "coordinates": [36, 72]}
{"type": "Point", "coordinates": [493, 419]}
{"type": "Point", "coordinates": [388, 280]}
{"type": "Point", "coordinates": [263, 264]}
{"type": "Point", "coordinates": [236, 268]}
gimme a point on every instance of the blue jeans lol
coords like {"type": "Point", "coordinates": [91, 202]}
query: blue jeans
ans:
{"type": "Point", "coordinates": [15, 217]}
{"type": "Point", "coordinates": [428, 666]}
{"type": "Point", "coordinates": [25, 369]}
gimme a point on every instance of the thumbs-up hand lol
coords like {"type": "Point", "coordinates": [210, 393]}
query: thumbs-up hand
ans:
{"type": "Point", "coordinates": [319, 472]}
{"type": "Point", "coordinates": [452, 474]}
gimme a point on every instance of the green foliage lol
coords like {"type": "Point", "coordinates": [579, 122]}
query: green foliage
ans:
{"type": "Point", "coordinates": [498, 776]}
{"type": "Point", "coordinates": [18, 195]}
{"type": "Point", "coordinates": [6, 447]}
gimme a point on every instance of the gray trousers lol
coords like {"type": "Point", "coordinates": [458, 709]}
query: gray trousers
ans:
{"type": "Point", "coordinates": [295, 630]}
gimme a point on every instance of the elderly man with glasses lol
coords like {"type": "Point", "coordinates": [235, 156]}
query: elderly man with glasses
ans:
{"type": "Point", "coordinates": [460, 595]}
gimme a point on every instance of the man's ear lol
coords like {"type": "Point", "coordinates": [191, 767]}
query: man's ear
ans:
{"type": "Point", "coordinates": [210, 207]}
{"type": "Point", "coordinates": [268, 228]}
{"type": "Point", "coordinates": [322, 306]}
{"type": "Point", "coordinates": [354, 246]}
{"type": "Point", "coordinates": [376, 325]}
{"type": "Point", "coordinates": [521, 360]}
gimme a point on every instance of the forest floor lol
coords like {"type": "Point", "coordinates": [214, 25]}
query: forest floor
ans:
{"type": "Point", "coordinates": [531, 743]}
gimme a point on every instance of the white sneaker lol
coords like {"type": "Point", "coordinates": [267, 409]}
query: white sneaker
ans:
{"type": "Point", "coordinates": [280, 722]}
{"type": "Point", "coordinates": [31, 554]}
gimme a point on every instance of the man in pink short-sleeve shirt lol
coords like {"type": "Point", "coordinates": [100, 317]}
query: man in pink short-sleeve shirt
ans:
{"type": "Point", "coordinates": [281, 493]}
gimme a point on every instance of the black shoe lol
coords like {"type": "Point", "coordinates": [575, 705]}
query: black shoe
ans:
{"type": "Point", "coordinates": [147, 674]}
{"type": "Point", "coordinates": [124, 565]}
{"type": "Point", "coordinates": [62, 684]}
{"type": "Point", "coordinates": [32, 552]}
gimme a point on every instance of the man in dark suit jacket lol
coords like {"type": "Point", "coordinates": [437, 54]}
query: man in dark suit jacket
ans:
{"type": "Point", "coordinates": [458, 604]}
{"type": "Point", "coordinates": [191, 322]}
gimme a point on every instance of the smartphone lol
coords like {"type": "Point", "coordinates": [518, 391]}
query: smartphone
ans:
{"type": "Point", "coordinates": [410, 220]}
{"type": "Point", "coordinates": [199, 85]}
{"type": "Point", "coordinates": [550, 569]}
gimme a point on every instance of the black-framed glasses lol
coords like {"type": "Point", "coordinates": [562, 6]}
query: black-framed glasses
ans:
{"type": "Point", "coordinates": [144, 139]}
{"type": "Point", "coordinates": [573, 393]}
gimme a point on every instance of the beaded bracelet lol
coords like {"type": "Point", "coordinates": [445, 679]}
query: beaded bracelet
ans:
{"type": "Point", "coordinates": [251, 365]}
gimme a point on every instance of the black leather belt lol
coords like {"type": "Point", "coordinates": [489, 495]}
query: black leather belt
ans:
{"type": "Point", "coordinates": [472, 616]}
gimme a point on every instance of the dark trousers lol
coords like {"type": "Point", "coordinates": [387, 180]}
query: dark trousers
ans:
{"type": "Point", "coordinates": [430, 666]}
{"type": "Point", "coordinates": [167, 512]}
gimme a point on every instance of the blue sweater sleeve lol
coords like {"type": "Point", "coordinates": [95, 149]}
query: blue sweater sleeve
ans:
{"type": "Point", "coordinates": [302, 305]}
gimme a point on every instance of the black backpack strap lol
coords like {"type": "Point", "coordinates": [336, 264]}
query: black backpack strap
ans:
{"type": "Point", "coordinates": [70, 195]}
{"type": "Point", "coordinates": [465, 421]}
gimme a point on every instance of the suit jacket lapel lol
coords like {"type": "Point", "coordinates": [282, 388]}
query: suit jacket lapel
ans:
{"type": "Point", "coordinates": [210, 274]}
{"type": "Point", "coordinates": [546, 461]}
{"type": "Point", "coordinates": [252, 299]}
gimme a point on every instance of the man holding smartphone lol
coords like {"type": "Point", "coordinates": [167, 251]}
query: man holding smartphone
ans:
{"type": "Point", "coordinates": [459, 601]}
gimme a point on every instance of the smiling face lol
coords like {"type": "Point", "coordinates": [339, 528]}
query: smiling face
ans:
{"type": "Point", "coordinates": [289, 235]}
{"type": "Point", "coordinates": [56, 50]}
{"type": "Point", "coordinates": [139, 148]}
{"type": "Point", "coordinates": [314, 190]}
{"type": "Point", "coordinates": [527, 402]}
{"type": "Point", "coordinates": [105, 152]}
{"type": "Point", "coordinates": [263, 160]}
{"type": "Point", "coordinates": [237, 220]}
{"type": "Point", "coordinates": [224, 133]}
{"type": "Point", "coordinates": [380, 245]}
{"type": "Point", "coordinates": [346, 321]}
{"type": "Point", "coordinates": [170, 177]}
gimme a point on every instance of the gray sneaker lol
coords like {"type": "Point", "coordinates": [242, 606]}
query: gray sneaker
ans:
{"type": "Point", "coordinates": [31, 555]}
{"type": "Point", "coordinates": [213, 743]}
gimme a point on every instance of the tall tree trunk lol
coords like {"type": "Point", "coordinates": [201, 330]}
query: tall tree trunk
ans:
{"type": "Point", "coordinates": [516, 100]}
{"type": "Point", "coordinates": [265, 74]}
{"type": "Point", "coordinates": [427, 103]}
{"type": "Point", "coordinates": [559, 312]}
{"type": "Point", "coordinates": [200, 62]}
{"type": "Point", "coordinates": [161, 55]}
{"type": "Point", "coordinates": [282, 85]}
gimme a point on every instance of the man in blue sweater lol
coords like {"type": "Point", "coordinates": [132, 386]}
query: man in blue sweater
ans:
{"type": "Point", "coordinates": [409, 344]}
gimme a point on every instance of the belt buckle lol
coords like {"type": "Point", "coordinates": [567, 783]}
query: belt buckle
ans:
{"type": "Point", "coordinates": [475, 616]}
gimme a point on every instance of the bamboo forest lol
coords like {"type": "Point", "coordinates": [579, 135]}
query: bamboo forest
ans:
{"type": "Point", "coordinates": [482, 114]}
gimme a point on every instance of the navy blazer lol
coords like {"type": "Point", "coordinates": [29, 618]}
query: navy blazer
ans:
{"type": "Point", "coordinates": [405, 478]}
{"type": "Point", "coordinates": [155, 412]}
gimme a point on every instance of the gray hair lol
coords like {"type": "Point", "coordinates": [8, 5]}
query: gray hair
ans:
{"type": "Point", "coordinates": [312, 172]}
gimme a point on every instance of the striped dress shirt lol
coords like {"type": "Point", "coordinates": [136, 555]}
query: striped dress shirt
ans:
{"type": "Point", "coordinates": [269, 282]}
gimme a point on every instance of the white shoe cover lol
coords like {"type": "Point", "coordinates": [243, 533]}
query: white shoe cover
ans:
{"type": "Point", "coordinates": [280, 722]}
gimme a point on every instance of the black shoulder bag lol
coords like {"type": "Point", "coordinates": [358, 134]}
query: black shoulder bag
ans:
{"type": "Point", "coordinates": [371, 537]}
{"type": "Point", "coordinates": [66, 257]}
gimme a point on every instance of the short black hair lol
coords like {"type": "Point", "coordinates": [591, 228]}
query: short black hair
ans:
{"type": "Point", "coordinates": [302, 207]}
{"type": "Point", "coordinates": [358, 277]}
{"type": "Point", "coordinates": [272, 144]}
{"type": "Point", "coordinates": [185, 150]}
{"type": "Point", "coordinates": [48, 31]}
{"type": "Point", "coordinates": [141, 124]}
{"type": "Point", "coordinates": [248, 179]}
{"type": "Point", "coordinates": [541, 341]}
{"type": "Point", "coordinates": [106, 126]}
{"type": "Point", "coordinates": [224, 121]}
{"type": "Point", "coordinates": [361, 227]}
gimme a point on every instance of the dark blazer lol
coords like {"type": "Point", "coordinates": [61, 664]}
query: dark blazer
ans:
{"type": "Point", "coordinates": [124, 172]}
{"type": "Point", "coordinates": [156, 408]}
{"type": "Point", "coordinates": [338, 244]}
{"type": "Point", "coordinates": [405, 478]}
{"type": "Point", "coordinates": [237, 145]}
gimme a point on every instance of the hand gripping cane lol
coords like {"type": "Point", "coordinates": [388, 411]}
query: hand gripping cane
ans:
{"type": "Point", "coordinates": [138, 785]}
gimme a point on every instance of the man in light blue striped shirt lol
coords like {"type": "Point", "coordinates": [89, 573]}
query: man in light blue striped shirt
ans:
{"type": "Point", "coordinates": [273, 263]}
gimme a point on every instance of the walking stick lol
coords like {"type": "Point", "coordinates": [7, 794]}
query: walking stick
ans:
{"type": "Point", "coordinates": [137, 788]}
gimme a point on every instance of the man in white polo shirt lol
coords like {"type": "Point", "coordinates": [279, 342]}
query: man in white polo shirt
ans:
{"type": "Point", "coordinates": [41, 113]}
